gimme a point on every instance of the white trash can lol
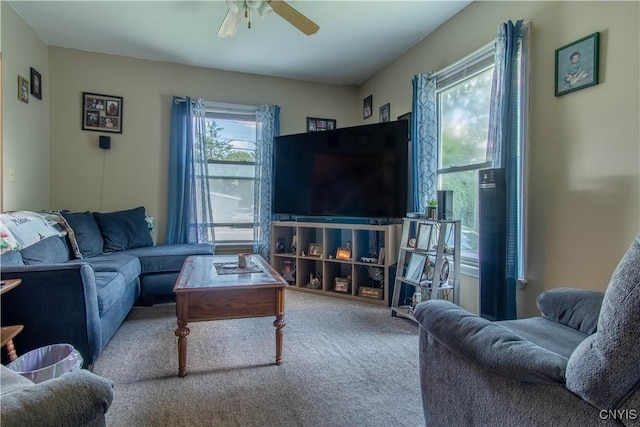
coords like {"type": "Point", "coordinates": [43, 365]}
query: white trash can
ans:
{"type": "Point", "coordinates": [48, 362]}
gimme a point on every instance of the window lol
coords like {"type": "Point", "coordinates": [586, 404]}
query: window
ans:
{"type": "Point", "coordinates": [463, 95]}
{"type": "Point", "coordinates": [231, 146]}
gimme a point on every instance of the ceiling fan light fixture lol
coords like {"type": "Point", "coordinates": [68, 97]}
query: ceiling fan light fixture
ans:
{"type": "Point", "coordinates": [233, 6]}
{"type": "Point", "coordinates": [230, 24]}
{"type": "Point", "coordinates": [264, 9]}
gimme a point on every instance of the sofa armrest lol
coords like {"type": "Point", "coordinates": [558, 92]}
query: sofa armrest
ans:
{"type": "Point", "coordinates": [488, 344]}
{"type": "Point", "coordinates": [56, 303]}
{"type": "Point", "coordinates": [78, 398]}
{"type": "Point", "coordinates": [576, 308]}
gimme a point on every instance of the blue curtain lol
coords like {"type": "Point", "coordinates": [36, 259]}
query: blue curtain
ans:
{"type": "Point", "coordinates": [189, 210]}
{"type": "Point", "coordinates": [504, 141]}
{"type": "Point", "coordinates": [268, 127]}
{"type": "Point", "coordinates": [424, 133]}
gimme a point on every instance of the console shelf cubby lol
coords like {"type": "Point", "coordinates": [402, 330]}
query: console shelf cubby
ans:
{"type": "Point", "coordinates": [306, 255]}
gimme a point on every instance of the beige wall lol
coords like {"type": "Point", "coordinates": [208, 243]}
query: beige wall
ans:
{"type": "Point", "coordinates": [134, 171]}
{"type": "Point", "coordinates": [584, 147]}
{"type": "Point", "coordinates": [25, 127]}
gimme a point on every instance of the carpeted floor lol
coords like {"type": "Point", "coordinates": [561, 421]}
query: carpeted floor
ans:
{"type": "Point", "coordinates": [344, 364]}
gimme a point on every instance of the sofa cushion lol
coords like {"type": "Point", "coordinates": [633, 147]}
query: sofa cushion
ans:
{"type": "Point", "coordinates": [110, 286]}
{"type": "Point", "coordinates": [87, 234]}
{"type": "Point", "coordinates": [52, 250]}
{"type": "Point", "coordinates": [127, 265]}
{"type": "Point", "coordinates": [605, 368]}
{"type": "Point", "coordinates": [11, 258]}
{"type": "Point", "coordinates": [167, 258]}
{"type": "Point", "coordinates": [124, 230]}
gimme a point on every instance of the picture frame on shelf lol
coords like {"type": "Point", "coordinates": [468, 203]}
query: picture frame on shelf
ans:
{"type": "Point", "coordinates": [577, 65]}
{"type": "Point", "coordinates": [415, 268]}
{"type": "Point", "coordinates": [341, 284]}
{"type": "Point", "coordinates": [343, 254]}
{"type": "Point", "coordinates": [23, 89]}
{"type": "Point", "coordinates": [36, 84]}
{"type": "Point", "coordinates": [101, 113]}
{"type": "Point", "coordinates": [367, 107]}
{"type": "Point", "coordinates": [315, 250]}
{"type": "Point", "coordinates": [315, 124]}
{"type": "Point", "coordinates": [385, 113]}
{"type": "Point", "coordinates": [423, 240]}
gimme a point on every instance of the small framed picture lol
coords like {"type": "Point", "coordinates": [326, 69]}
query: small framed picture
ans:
{"type": "Point", "coordinates": [407, 117]}
{"type": "Point", "coordinates": [415, 267]}
{"type": "Point", "coordinates": [343, 254]}
{"type": "Point", "coordinates": [367, 107]}
{"type": "Point", "coordinates": [424, 236]}
{"type": "Point", "coordinates": [315, 124]}
{"type": "Point", "coordinates": [36, 84]}
{"type": "Point", "coordinates": [101, 113]}
{"type": "Point", "coordinates": [315, 249]}
{"type": "Point", "coordinates": [23, 89]}
{"type": "Point", "coordinates": [577, 65]}
{"type": "Point", "coordinates": [385, 113]}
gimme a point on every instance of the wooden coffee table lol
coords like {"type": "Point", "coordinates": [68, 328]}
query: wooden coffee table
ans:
{"type": "Point", "coordinates": [203, 294]}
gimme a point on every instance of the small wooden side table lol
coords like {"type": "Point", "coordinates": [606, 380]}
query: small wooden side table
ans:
{"type": "Point", "coordinates": [8, 333]}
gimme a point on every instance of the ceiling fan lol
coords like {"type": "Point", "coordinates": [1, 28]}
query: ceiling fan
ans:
{"type": "Point", "coordinates": [239, 9]}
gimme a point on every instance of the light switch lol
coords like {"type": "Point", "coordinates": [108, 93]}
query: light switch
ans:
{"type": "Point", "coordinates": [12, 174]}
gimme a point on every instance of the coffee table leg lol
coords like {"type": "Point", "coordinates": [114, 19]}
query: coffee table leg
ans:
{"type": "Point", "coordinates": [182, 333]}
{"type": "Point", "coordinates": [279, 324]}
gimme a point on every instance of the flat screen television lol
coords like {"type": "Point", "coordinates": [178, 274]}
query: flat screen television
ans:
{"type": "Point", "coordinates": [356, 172]}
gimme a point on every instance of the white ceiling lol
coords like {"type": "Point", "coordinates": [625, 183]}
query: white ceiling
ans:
{"type": "Point", "coordinates": [355, 40]}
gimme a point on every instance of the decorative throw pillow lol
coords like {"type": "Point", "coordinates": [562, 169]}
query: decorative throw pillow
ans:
{"type": "Point", "coordinates": [21, 229]}
{"type": "Point", "coordinates": [52, 250]}
{"type": "Point", "coordinates": [123, 230]}
{"type": "Point", "coordinates": [87, 234]}
{"type": "Point", "coordinates": [71, 235]}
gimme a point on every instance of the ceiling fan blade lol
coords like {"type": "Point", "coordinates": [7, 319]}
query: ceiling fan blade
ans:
{"type": "Point", "coordinates": [294, 17]}
{"type": "Point", "coordinates": [230, 24]}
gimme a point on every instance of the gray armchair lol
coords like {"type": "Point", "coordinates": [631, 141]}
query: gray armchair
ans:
{"type": "Point", "coordinates": [576, 364]}
{"type": "Point", "coordinates": [78, 398]}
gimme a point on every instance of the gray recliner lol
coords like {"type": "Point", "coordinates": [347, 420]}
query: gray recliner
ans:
{"type": "Point", "coordinates": [78, 398]}
{"type": "Point", "coordinates": [576, 364]}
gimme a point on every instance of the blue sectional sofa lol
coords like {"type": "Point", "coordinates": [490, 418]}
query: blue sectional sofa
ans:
{"type": "Point", "coordinates": [78, 287]}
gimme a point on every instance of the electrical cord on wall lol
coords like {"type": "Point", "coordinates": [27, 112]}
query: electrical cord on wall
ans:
{"type": "Point", "coordinates": [104, 162]}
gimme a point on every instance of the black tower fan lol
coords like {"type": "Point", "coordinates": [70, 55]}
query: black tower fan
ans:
{"type": "Point", "coordinates": [493, 249]}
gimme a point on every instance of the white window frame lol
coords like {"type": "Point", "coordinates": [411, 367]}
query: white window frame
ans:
{"type": "Point", "coordinates": [230, 110]}
{"type": "Point", "coordinates": [470, 66]}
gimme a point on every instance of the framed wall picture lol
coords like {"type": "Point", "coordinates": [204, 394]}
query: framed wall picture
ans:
{"type": "Point", "coordinates": [577, 65]}
{"type": "Point", "coordinates": [415, 267]}
{"type": "Point", "coordinates": [23, 89]}
{"type": "Point", "coordinates": [385, 113]}
{"type": "Point", "coordinates": [367, 107]}
{"type": "Point", "coordinates": [315, 124]}
{"type": "Point", "coordinates": [36, 84]}
{"type": "Point", "coordinates": [101, 113]}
